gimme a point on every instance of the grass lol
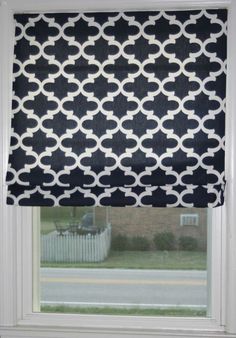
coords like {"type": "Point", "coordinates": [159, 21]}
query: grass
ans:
{"type": "Point", "coordinates": [125, 259]}
{"type": "Point", "coordinates": [182, 312]}
{"type": "Point", "coordinates": [172, 260]}
{"type": "Point", "coordinates": [50, 215]}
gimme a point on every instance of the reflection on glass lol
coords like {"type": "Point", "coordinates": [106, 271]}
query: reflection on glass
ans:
{"type": "Point", "coordinates": [134, 261]}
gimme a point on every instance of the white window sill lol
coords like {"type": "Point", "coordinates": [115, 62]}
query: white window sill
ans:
{"type": "Point", "coordinates": [38, 332]}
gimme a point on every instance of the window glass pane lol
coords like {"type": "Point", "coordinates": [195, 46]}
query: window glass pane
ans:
{"type": "Point", "coordinates": [140, 261]}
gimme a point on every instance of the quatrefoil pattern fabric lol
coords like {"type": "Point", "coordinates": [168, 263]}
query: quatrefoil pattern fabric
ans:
{"type": "Point", "coordinates": [119, 109]}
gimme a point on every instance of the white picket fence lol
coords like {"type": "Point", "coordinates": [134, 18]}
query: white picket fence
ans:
{"type": "Point", "coordinates": [71, 248]}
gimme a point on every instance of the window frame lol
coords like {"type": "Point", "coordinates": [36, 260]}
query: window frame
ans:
{"type": "Point", "coordinates": [16, 237]}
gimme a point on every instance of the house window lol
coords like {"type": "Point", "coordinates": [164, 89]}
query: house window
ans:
{"type": "Point", "coordinates": [189, 219]}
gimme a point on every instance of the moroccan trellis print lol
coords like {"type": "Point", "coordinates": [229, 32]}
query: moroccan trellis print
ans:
{"type": "Point", "coordinates": [120, 109]}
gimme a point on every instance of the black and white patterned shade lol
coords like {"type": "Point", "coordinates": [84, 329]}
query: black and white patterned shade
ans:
{"type": "Point", "coordinates": [119, 109]}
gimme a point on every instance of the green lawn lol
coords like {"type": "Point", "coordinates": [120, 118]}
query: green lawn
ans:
{"type": "Point", "coordinates": [127, 312]}
{"type": "Point", "coordinates": [63, 214]}
{"type": "Point", "coordinates": [185, 260]}
{"type": "Point", "coordinates": [125, 259]}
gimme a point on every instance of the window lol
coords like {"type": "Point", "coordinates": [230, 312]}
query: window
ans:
{"type": "Point", "coordinates": [123, 261]}
{"type": "Point", "coordinates": [189, 219]}
{"type": "Point", "coordinates": [16, 224]}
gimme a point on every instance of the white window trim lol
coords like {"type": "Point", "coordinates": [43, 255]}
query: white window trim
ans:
{"type": "Point", "coordinates": [16, 261]}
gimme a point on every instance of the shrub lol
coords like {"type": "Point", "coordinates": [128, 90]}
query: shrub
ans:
{"type": "Point", "coordinates": [188, 243]}
{"type": "Point", "coordinates": [139, 243]}
{"type": "Point", "coordinates": [164, 241]}
{"type": "Point", "coordinates": [120, 243]}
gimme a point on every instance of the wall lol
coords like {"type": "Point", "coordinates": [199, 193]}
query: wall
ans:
{"type": "Point", "coordinates": [149, 221]}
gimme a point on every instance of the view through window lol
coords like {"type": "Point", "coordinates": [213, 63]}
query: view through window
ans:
{"type": "Point", "coordinates": [134, 261]}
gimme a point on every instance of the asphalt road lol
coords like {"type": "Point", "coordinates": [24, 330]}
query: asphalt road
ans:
{"type": "Point", "coordinates": [124, 288]}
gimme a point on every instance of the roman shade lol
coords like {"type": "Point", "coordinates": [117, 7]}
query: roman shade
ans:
{"type": "Point", "coordinates": [119, 109]}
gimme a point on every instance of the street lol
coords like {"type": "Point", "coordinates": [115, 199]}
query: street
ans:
{"type": "Point", "coordinates": [124, 288]}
